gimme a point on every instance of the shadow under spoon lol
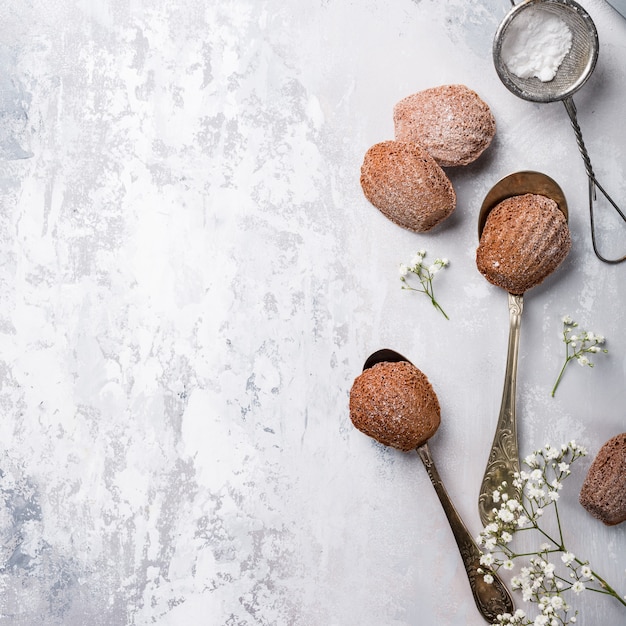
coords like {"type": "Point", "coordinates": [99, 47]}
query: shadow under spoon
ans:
{"type": "Point", "coordinates": [492, 599]}
{"type": "Point", "coordinates": [503, 461]}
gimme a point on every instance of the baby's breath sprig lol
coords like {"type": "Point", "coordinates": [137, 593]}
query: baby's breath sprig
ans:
{"type": "Point", "coordinates": [578, 346]}
{"type": "Point", "coordinates": [425, 273]}
{"type": "Point", "coordinates": [540, 580]}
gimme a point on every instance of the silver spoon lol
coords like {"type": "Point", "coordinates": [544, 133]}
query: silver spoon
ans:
{"type": "Point", "coordinates": [573, 73]}
{"type": "Point", "coordinates": [503, 460]}
{"type": "Point", "coordinates": [492, 599]}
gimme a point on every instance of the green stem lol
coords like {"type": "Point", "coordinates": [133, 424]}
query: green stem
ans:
{"type": "Point", "coordinates": [436, 305]}
{"type": "Point", "coordinates": [558, 380]}
{"type": "Point", "coordinates": [606, 588]}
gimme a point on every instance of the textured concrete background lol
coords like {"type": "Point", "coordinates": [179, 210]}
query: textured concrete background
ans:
{"type": "Point", "coordinates": [191, 278]}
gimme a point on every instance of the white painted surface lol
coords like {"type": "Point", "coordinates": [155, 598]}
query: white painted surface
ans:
{"type": "Point", "coordinates": [191, 278]}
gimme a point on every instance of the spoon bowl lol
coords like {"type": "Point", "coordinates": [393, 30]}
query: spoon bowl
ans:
{"type": "Point", "coordinates": [492, 599]}
{"type": "Point", "coordinates": [518, 184]}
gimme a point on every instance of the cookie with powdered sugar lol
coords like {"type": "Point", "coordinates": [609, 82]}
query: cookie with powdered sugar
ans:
{"type": "Point", "coordinates": [451, 122]}
{"type": "Point", "coordinates": [405, 183]}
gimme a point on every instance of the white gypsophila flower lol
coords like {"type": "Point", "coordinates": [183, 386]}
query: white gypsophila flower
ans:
{"type": "Point", "coordinates": [505, 515]}
{"type": "Point", "coordinates": [495, 496]}
{"type": "Point", "coordinates": [551, 453]}
{"type": "Point", "coordinates": [433, 269]}
{"type": "Point", "coordinates": [531, 460]}
{"type": "Point", "coordinates": [544, 547]}
{"type": "Point", "coordinates": [508, 565]}
{"type": "Point", "coordinates": [487, 559]}
{"type": "Point", "coordinates": [445, 262]}
{"type": "Point", "coordinates": [557, 602]}
{"type": "Point", "coordinates": [567, 319]}
{"type": "Point", "coordinates": [578, 587]}
{"type": "Point", "coordinates": [488, 578]}
{"type": "Point", "coordinates": [585, 571]}
{"type": "Point", "coordinates": [563, 467]}
{"type": "Point", "coordinates": [567, 558]}
{"type": "Point", "coordinates": [583, 360]}
{"type": "Point", "coordinates": [553, 495]}
{"type": "Point", "coordinates": [535, 493]}
{"type": "Point", "coordinates": [548, 570]}
{"type": "Point", "coordinates": [539, 512]}
{"type": "Point", "coordinates": [506, 537]}
{"type": "Point", "coordinates": [537, 476]}
{"type": "Point", "coordinates": [522, 521]}
{"type": "Point", "coordinates": [403, 270]}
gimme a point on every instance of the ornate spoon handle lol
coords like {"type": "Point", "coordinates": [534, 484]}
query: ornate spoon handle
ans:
{"type": "Point", "coordinates": [492, 599]}
{"type": "Point", "coordinates": [504, 456]}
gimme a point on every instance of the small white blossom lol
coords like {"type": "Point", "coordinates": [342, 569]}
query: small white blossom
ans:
{"type": "Point", "coordinates": [567, 558]}
{"type": "Point", "coordinates": [578, 587]}
{"type": "Point", "coordinates": [537, 476]}
{"type": "Point", "coordinates": [531, 460]}
{"type": "Point", "coordinates": [557, 602]}
{"type": "Point", "coordinates": [488, 578]}
{"type": "Point", "coordinates": [425, 275]}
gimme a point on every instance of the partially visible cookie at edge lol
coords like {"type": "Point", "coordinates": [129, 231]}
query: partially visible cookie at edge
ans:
{"type": "Point", "coordinates": [405, 183]}
{"type": "Point", "coordinates": [451, 122]}
{"type": "Point", "coordinates": [603, 493]}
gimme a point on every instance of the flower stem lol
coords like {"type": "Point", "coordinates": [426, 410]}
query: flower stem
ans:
{"type": "Point", "coordinates": [558, 380]}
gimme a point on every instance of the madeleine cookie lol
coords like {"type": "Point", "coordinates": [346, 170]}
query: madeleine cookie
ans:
{"type": "Point", "coordinates": [405, 183]}
{"type": "Point", "coordinates": [603, 493]}
{"type": "Point", "coordinates": [451, 122]}
{"type": "Point", "coordinates": [524, 240]}
{"type": "Point", "coordinates": [395, 404]}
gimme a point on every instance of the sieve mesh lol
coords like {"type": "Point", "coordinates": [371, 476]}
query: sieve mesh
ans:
{"type": "Point", "coordinates": [577, 65]}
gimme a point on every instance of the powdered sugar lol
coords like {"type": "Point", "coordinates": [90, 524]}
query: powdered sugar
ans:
{"type": "Point", "coordinates": [535, 44]}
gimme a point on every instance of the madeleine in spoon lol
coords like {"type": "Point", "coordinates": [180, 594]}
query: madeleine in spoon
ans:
{"type": "Point", "coordinates": [524, 240]}
{"type": "Point", "coordinates": [395, 404]}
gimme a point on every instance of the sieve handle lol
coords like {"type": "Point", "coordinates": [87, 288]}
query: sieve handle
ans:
{"type": "Point", "coordinates": [570, 107]}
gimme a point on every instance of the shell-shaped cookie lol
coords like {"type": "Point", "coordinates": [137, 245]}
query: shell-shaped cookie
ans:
{"type": "Point", "coordinates": [524, 240]}
{"type": "Point", "coordinates": [405, 183]}
{"type": "Point", "coordinates": [451, 122]}
{"type": "Point", "coordinates": [395, 404]}
{"type": "Point", "coordinates": [603, 493]}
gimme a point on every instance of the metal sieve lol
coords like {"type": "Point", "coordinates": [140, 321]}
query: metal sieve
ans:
{"type": "Point", "coordinates": [573, 73]}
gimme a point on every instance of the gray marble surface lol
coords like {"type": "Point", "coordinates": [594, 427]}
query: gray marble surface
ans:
{"type": "Point", "coordinates": [191, 278]}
